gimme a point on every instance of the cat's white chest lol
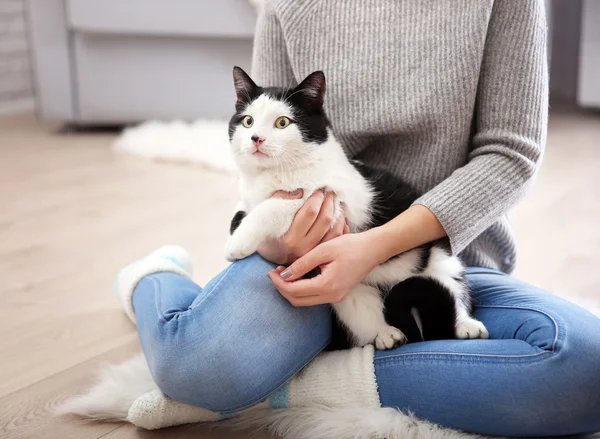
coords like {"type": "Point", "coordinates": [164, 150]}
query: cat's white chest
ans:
{"type": "Point", "coordinates": [350, 188]}
{"type": "Point", "coordinates": [257, 188]}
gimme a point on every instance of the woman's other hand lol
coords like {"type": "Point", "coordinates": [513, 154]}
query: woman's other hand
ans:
{"type": "Point", "coordinates": [344, 263]}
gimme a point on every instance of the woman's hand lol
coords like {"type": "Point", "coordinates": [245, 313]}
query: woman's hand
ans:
{"type": "Point", "coordinates": [344, 262]}
{"type": "Point", "coordinates": [347, 260]}
{"type": "Point", "coordinates": [311, 226]}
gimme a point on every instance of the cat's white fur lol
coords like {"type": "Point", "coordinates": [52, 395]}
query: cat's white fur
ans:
{"type": "Point", "coordinates": [286, 162]}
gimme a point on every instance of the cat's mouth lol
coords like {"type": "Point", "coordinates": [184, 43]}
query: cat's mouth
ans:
{"type": "Point", "coordinates": [259, 153]}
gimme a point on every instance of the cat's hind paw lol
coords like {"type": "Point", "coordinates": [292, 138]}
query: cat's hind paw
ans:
{"type": "Point", "coordinates": [471, 329]}
{"type": "Point", "coordinates": [388, 338]}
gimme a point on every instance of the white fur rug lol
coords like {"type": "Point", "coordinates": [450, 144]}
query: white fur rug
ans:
{"type": "Point", "coordinates": [203, 142]}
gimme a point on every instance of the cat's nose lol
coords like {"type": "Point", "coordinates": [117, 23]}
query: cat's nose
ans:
{"type": "Point", "coordinates": [257, 140]}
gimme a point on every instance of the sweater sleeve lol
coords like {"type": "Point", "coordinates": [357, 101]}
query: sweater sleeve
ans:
{"type": "Point", "coordinates": [511, 118]}
{"type": "Point", "coordinates": [270, 62]}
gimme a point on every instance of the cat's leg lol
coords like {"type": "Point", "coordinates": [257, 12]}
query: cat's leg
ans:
{"type": "Point", "coordinates": [361, 312]}
{"type": "Point", "coordinates": [450, 272]}
{"type": "Point", "coordinates": [271, 219]}
{"type": "Point", "coordinates": [468, 327]}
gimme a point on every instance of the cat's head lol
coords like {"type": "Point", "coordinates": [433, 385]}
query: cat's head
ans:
{"type": "Point", "coordinates": [277, 127]}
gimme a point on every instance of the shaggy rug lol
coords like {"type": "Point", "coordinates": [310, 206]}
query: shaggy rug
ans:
{"type": "Point", "coordinates": [204, 143]}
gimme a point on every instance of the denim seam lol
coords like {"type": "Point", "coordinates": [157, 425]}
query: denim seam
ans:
{"type": "Point", "coordinates": [556, 327]}
{"type": "Point", "coordinates": [157, 295]}
{"type": "Point", "coordinates": [459, 355]}
{"type": "Point", "coordinates": [272, 389]}
{"type": "Point", "coordinates": [188, 311]}
{"type": "Point", "coordinates": [451, 354]}
{"type": "Point", "coordinates": [208, 293]}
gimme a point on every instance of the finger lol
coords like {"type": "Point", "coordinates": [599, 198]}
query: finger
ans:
{"type": "Point", "coordinates": [305, 301]}
{"type": "Point", "coordinates": [299, 289]}
{"type": "Point", "coordinates": [324, 221]}
{"type": "Point", "coordinates": [296, 195]}
{"type": "Point", "coordinates": [311, 260]}
{"type": "Point", "coordinates": [306, 215]}
{"type": "Point", "coordinates": [337, 230]}
{"type": "Point", "coordinates": [346, 228]}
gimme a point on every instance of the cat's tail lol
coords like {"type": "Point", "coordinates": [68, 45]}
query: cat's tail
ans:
{"type": "Point", "coordinates": [116, 388]}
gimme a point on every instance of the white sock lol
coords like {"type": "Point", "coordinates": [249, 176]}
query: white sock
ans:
{"type": "Point", "coordinates": [335, 379]}
{"type": "Point", "coordinates": [156, 410]}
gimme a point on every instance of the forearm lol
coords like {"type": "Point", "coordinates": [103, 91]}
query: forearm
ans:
{"type": "Point", "coordinates": [510, 124]}
{"type": "Point", "coordinates": [414, 227]}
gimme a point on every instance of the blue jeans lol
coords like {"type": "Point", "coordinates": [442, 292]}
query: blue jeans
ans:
{"type": "Point", "coordinates": [230, 344]}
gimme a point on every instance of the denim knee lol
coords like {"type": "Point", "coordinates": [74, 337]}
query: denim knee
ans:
{"type": "Point", "coordinates": [227, 375]}
{"type": "Point", "coordinates": [580, 364]}
{"type": "Point", "coordinates": [572, 399]}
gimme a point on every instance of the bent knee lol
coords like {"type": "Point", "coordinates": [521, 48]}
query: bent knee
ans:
{"type": "Point", "coordinates": [570, 391]}
{"type": "Point", "coordinates": [224, 382]}
{"type": "Point", "coordinates": [220, 387]}
{"type": "Point", "coordinates": [236, 368]}
{"type": "Point", "coordinates": [580, 392]}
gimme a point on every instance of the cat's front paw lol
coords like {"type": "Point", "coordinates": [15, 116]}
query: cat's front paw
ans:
{"type": "Point", "coordinates": [471, 329]}
{"type": "Point", "coordinates": [388, 338]}
{"type": "Point", "coordinates": [237, 249]}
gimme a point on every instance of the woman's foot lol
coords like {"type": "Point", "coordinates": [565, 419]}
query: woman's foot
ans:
{"type": "Point", "coordinates": [169, 258]}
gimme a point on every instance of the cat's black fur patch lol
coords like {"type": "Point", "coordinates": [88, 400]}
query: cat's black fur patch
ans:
{"type": "Point", "coordinates": [307, 108]}
{"type": "Point", "coordinates": [393, 195]}
{"type": "Point", "coordinates": [424, 257]}
{"type": "Point", "coordinates": [431, 299]}
{"type": "Point", "coordinates": [236, 220]}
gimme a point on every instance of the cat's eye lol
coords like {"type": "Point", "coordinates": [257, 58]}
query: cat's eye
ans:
{"type": "Point", "coordinates": [282, 122]}
{"type": "Point", "coordinates": [247, 121]}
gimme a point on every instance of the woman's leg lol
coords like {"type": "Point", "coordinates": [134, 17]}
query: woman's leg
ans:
{"type": "Point", "coordinates": [230, 344]}
{"type": "Point", "coordinates": [538, 375]}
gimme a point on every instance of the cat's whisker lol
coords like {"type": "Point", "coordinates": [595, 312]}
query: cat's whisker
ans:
{"type": "Point", "coordinates": [287, 89]}
{"type": "Point", "coordinates": [297, 91]}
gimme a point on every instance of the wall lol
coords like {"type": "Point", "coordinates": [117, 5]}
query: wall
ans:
{"type": "Point", "coordinates": [16, 92]}
{"type": "Point", "coordinates": [564, 61]}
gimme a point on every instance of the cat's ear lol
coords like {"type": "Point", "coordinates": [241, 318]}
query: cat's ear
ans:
{"type": "Point", "coordinates": [245, 87]}
{"type": "Point", "coordinates": [312, 88]}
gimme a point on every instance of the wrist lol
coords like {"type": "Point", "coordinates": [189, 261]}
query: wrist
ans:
{"type": "Point", "coordinates": [378, 244]}
{"type": "Point", "coordinates": [412, 228]}
{"type": "Point", "coordinates": [274, 255]}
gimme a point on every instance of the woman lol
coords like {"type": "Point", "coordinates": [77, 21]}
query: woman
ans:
{"type": "Point", "coordinates": [452, 96]}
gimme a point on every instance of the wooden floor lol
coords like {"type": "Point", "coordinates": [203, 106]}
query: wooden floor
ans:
{"type": "Point", "coordinates": [72, 213]}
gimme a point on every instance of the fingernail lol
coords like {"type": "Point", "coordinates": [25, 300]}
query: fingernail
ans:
{"type": "Point", "coordinates": [286, 274]}
{"type": "Point", "coordinates": [296, 192]}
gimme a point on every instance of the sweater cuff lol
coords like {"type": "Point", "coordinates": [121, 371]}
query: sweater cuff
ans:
{"type": "Point", "coordinates": [466, 208]}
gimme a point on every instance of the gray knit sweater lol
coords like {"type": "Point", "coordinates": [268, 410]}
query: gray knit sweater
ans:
{"type": "Point", "coordinates": [451, 95]}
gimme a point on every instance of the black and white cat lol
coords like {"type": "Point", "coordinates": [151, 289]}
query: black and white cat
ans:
{"type": "Point", "coordinates": [282, 140]}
